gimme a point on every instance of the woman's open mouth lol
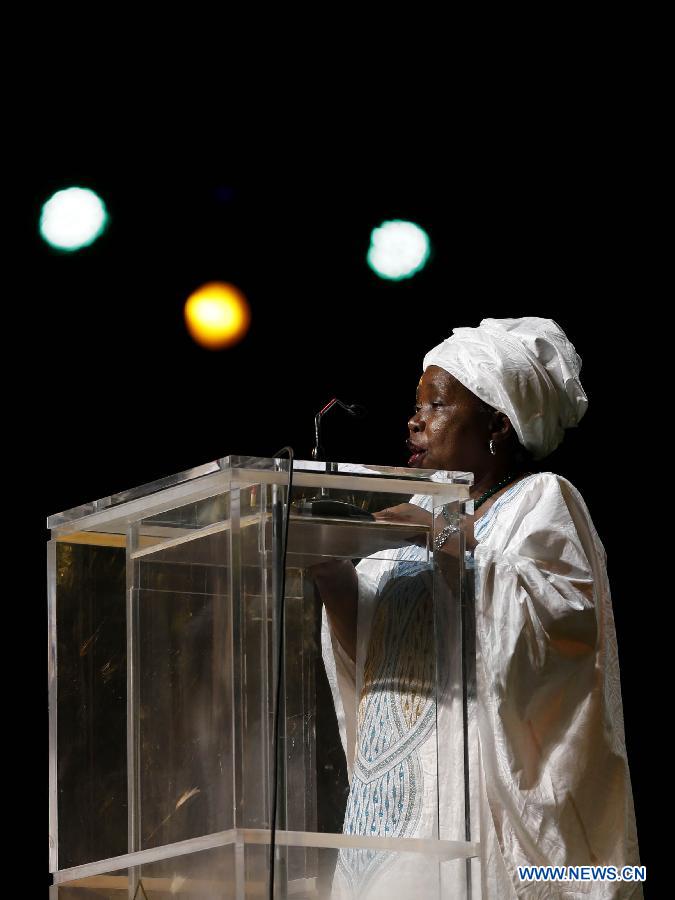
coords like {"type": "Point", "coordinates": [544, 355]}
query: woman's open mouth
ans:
{"type": "Point", "coordinates": [416, 459]}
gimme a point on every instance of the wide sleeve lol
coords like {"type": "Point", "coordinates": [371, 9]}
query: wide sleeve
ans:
{"type": "Point", "coordinates": [551, 732]}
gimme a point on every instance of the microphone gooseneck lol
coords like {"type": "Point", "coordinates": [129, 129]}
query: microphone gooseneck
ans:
{"type": "Point", "coordinates": [324, 505]}
{"type": "Point", "coordinates": [354, 409]}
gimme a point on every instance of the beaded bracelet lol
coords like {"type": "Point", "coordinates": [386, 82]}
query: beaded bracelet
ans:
{"type": "Point", "coordinates": [446, 515]}
{"type": "Point", "coordinates": [443, 535]}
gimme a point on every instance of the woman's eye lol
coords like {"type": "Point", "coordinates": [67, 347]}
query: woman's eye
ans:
{"type": "Point", "coordinates": [434, 405]}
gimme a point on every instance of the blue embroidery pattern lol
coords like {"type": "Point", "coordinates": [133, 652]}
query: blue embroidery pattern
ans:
{"type": "Point", "coordinates": [397, 712]}
{"type": "Point", "coordinates": [485, 523]}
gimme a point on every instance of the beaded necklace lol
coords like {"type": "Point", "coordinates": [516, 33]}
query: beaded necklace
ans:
{"type": "Point", "coordinates": [493, 490]}
{"type": "Point", "coordinates": [453, 526]}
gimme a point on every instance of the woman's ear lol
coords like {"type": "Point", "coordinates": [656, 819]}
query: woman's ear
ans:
{"type": "Point", "coordinates": [501, 424]}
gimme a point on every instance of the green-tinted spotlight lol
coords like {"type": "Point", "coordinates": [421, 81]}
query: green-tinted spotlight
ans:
{"type": "Point", "coordinates": [73, 218]}
{"type": "Point", "coordinates": [398, 249]}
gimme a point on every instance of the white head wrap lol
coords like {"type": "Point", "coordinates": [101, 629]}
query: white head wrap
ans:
{"type": "Point", "coordinates": [525, 368]}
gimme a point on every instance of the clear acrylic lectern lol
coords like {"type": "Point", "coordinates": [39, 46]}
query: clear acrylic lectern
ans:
{"type": "Point", "coordinates": [167, 640]}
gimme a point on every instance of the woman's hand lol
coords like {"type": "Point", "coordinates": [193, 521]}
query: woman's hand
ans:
{"type": "Point", "coordinates": [405, 514]}
{"type": "Point", "coordinates": [411, 514]}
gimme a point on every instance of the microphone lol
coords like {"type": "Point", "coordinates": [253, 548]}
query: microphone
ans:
{"type": "Point", "coordinates": [357, 410]}
{"type": "Point", "coordinates": [323, 505]}
{"type": "Point", "coordinates": [354, 409]}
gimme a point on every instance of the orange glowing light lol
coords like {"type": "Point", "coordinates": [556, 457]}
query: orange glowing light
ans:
{"type": "Point", "coordinates": [217, 315]}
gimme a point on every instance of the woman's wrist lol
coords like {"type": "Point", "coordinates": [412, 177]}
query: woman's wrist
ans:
{"type": "Point", "coordinates": [443, 535]}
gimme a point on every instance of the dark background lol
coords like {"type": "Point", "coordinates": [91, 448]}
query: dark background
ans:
{"type": "Point", "coordinates": [125, 396]}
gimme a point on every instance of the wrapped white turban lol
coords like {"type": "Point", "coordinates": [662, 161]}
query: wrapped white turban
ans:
{"type": "Point", "coordinates": [525, 368]}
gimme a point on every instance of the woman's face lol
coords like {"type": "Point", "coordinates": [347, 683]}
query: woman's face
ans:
{"type": "Point", "coordinates": [450, 428]}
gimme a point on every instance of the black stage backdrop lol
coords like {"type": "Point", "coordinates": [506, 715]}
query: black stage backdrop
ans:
{"type": "Point", "coordinates": [125, 397]}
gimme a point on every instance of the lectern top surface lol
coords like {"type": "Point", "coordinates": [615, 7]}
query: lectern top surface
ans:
{"type": "Point", "coordinates": [420, 480]}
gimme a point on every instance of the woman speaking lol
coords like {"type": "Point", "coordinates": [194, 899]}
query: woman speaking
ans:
{"type": "Point", "coordinates": [555, 785]}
